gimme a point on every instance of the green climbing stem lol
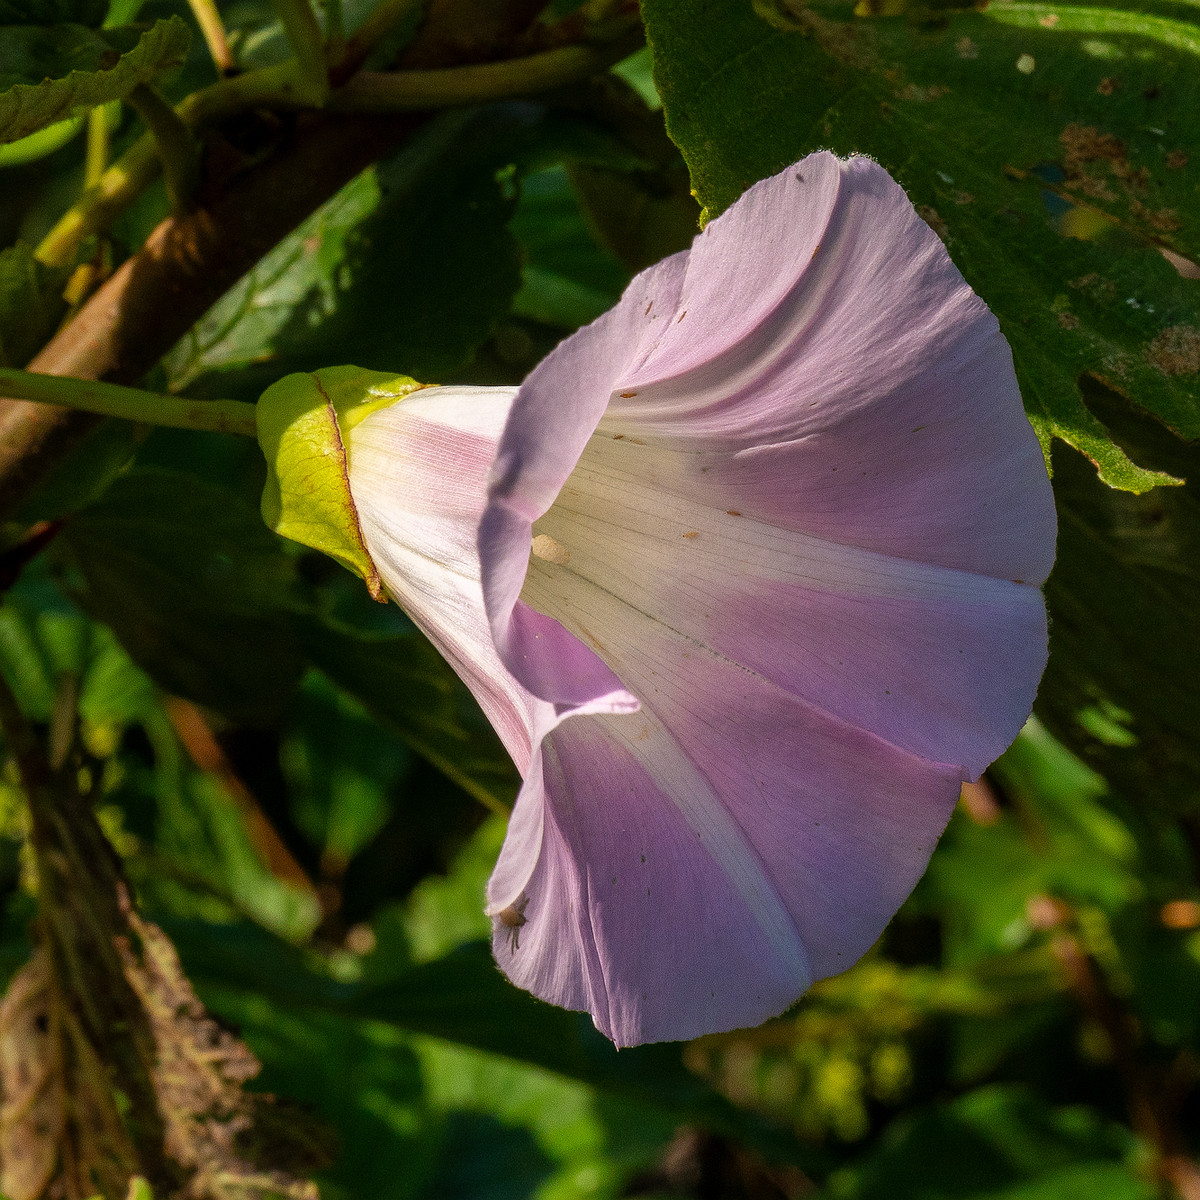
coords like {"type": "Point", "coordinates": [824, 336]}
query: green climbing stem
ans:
{"type": "Point", "coordinates": [132, 404]}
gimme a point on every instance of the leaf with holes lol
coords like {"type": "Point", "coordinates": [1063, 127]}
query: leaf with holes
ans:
{"type": "Point", "coordinates": [1047, 144]}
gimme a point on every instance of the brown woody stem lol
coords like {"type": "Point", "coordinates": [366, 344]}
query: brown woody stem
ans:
{"type": "Point", "coordinates": [1152, 1109]}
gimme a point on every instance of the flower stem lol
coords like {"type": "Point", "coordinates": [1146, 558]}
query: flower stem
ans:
{"type": "Point", "coordinates": [209, 20]}
{"type": "Point", "coordinates": [111, 400]}
{"type": "Point", "coordinates": [177, 148]}
{"type": "Point", "coordinates": [281, 86]}
{"type": "Point", "coordinates": [118, 187]}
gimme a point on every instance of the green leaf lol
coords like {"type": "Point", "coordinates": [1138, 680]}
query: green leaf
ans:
{"type": "Point", "coordinates": [31, 304]}
{"type": "Point", "coordinates": [405, 681]}
{"type": "Point", "coordinates": [1054, 189]}
{"type": "Point", "coordinates": [1054, 837]}
{"type": "Point", "coordinates": [52, 73]}
{"type": "Point", "coordinates": [1002, 1143]}
{"type": "Point", "coordinates": [568, 279]}
{"type": "Point", "coordinates": [44, 637]}
{"type": "Point", "coordinates": [194, 586]}
{"type": "Point", "coordinates": [1122, 687]}
{"type": "Point", "coordinates": [203, 598]}
{"type": "Point", "coordinates": [1164, 966]}
{"type": "Point", "coordinates": [1084, 1181]}
{"type": "Point", "coordinates": [405, 271]}
{"type": "Point", "coordinates": [462, 998]}
{"type": "Point", "coordinates": [645, 211]}
{"type": "Point", "coordinates": [342, 769]}
{"type": "Point", "coordinates": [444, 912]}
{"type": "Point", "coordinates": [419, 1117]}
{"type": "Point", "coordinates": [206, 839]}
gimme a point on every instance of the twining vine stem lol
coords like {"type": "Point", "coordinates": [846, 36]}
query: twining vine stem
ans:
{"type": "Point", "coordinates": [132, 404]}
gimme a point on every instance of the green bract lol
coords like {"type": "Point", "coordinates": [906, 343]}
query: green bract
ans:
{"type": "Point", "coordinates": [303, 421]}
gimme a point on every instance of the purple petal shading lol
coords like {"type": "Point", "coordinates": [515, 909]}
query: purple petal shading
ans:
{"type": "Point", "coordinates": [873, 405]}
{"type": "Point", "coordinates": [877, 406]}
{"type": "Point", "coordinates": [629, 914]}
{"type": "Point", "coordinates": [417, 476]}
{"type": "Point", "coordinates": [941, 663]}
{"type": "Point", "coordinates": [604, 792]}
{"type": "Point", "coordinates": [533, 463]}
{"type": "Point", "coordinates": [697, 872]}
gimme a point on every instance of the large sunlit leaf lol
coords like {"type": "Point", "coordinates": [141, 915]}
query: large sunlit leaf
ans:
{"type": "Point", "coordinates": [1047, 144]}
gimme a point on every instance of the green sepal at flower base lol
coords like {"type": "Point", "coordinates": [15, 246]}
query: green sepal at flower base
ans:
{"type": "Point", "coordinates": [303, 423]}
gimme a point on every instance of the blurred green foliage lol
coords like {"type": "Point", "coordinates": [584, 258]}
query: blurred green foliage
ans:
{"type": "Point", "coordinates": [309, 802]}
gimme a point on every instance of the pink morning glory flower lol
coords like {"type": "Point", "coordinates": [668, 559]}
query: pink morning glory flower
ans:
{"type": "Point", "coordinates": [746, 576]}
